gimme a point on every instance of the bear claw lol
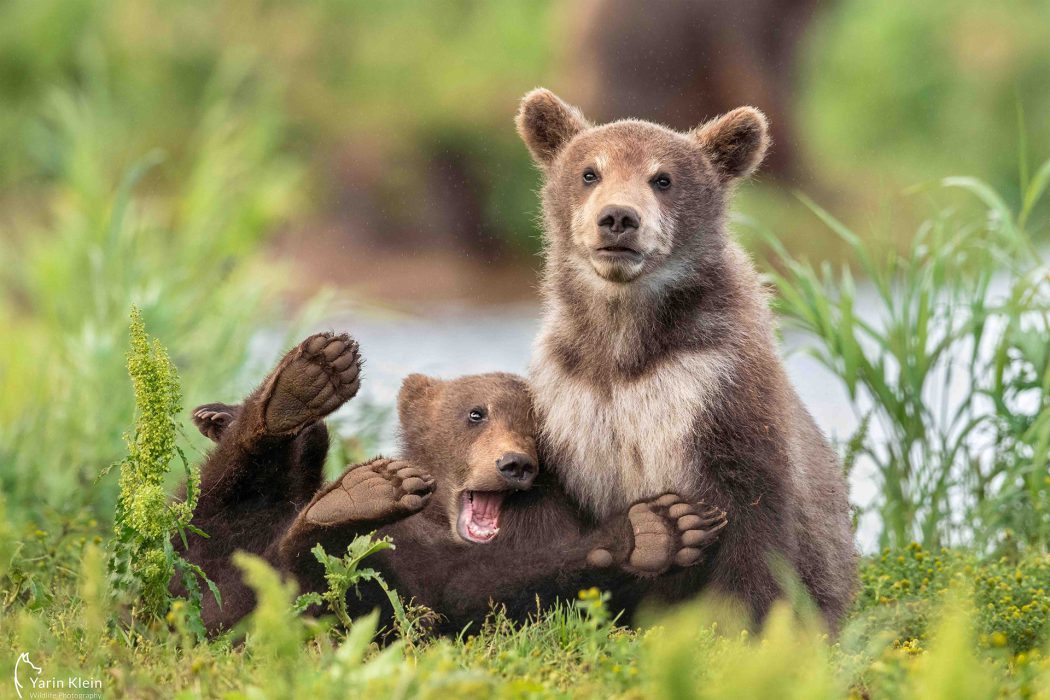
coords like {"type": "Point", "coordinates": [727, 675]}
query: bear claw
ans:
{"type": "Point", "coordinates": [212, 419]}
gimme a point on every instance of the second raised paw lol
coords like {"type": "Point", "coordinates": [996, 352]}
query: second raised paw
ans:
{"type": "Point", "coordinates": [212, 419]}
{"type": "Point", "coordinates": [378, 491]}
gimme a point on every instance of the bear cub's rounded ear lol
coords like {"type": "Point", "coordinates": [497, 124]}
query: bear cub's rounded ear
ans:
{"type": "Point", "coordinates": [415, 389]}
{"type": "Point", "coordinates": [736, 142]}
{"type": "Point", "coordinates": [546, 124]}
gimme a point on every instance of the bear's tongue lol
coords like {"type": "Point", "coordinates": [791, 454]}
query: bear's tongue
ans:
{"type": "Point", "coordinates": [479, 515]}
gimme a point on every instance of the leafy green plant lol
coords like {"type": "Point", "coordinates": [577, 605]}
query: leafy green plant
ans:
{"type": "Point", "coordinates": [952, 670]}
{"type": "Point", "coordinates": [142, 559]}
{"type": "Point", "coordinates": [276, 632]}
{"type": "Point", "coordinates": [345, 573]}
{"type": "Point", "coordinates": [935, 358]}
{"type": "Point", "coordinates": [695, 655]}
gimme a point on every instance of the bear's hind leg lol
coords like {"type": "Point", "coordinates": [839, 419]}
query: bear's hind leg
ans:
{"type": "Point", "coordinates": [311, 450]}
{"type": "Point", "coordinates": [311, 446]}
{"type": "Point", "coordinates": [261, 442]}
{"type": "Point", "coordinates": [314, 379]}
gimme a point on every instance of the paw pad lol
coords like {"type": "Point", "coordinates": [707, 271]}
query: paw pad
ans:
{"type": "Point", "coordinates": [379, 490]}
{"type": "Point", "coordinates": [670, 531]}
{"type": "Point", "coordinates": [313, 380]}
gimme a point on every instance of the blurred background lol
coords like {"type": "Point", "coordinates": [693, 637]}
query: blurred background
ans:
{"type": "Point", "coordinates": [248, 169]}
{"type": "Point", "coordinates": [396, 117]}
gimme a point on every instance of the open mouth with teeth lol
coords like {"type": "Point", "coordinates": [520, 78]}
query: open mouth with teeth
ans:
{"type": "Point", "coordinates": [479, 515]}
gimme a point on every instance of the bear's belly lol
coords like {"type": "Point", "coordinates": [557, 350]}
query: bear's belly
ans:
{"type": "Point", "coordinates": [614, 445]}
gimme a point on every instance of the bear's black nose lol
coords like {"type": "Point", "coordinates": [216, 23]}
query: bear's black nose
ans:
{"type": "Point", "coordinates": [518, 469]}
{"type": "Point", "coordinates": [617, 220]}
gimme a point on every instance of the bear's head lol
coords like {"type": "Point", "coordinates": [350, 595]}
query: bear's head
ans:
{"type": "Point", "coordinates": [632, 200]}
{"type": "Point", "coordinates": [477, 436]}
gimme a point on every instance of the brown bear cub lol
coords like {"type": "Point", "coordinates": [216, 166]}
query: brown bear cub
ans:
{"type": "Point", "coordinates": [656, 369]}
{"type": "Point", "coordinates": [268, 463]}
{"type": "Point", "coordinates": [474, 518]}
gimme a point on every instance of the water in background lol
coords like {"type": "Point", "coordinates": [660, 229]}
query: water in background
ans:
{"type": "Point", "coordinates": [451, 343]}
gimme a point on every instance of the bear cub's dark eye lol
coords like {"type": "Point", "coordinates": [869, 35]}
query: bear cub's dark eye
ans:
{"type": "Point", "coordinates": [662, 182]}
{"type": "Point", "coordinates": [476, 415]}
{"type": "Point", "coordinates": [589, 176]}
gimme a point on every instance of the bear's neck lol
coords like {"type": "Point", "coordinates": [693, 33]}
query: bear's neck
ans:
{"type": "Point", "coordinates": [621, 384]}
{"type": "Point", "coordinates": [604, 332]}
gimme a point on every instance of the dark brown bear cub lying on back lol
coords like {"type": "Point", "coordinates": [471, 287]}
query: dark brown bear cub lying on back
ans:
{"type": "Point", "coordinates": [474, 519]}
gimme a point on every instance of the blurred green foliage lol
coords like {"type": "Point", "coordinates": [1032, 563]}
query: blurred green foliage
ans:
{"type": "Point", "coordinates": [943, 350]}
{"type": "Point", "coordinates": [149, 149]}
{"type": "Point", "coordinates": [927, 624]}
{"type": "Point", "coordinates": [369, 92]}
{"type": "Point", "coordinates": [376, 98]}
{"type": "Point", "coordinates": [903, 92]}
{"type": "Point", "coordinates": [103, 240]}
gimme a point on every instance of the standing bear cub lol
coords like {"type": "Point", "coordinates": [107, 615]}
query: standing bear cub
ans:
{"type": "Point", "coordinates": [474, 518]}
{"type": "Point", "coordinates": [656, 367]}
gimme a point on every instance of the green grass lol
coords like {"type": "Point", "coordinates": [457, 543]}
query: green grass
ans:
{"type": "Point", "coordinates": [920, 630]}
{"type": "Point", "coordinates": [929, 622]}
{"type": "Point", "coordinates": [106, 239]}
{"type": "Point", "coordinates": [145, 163]}
{"type": "Point", "coordinates": [942, 347]}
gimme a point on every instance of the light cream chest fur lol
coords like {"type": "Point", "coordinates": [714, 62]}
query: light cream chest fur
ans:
{"type": "Point", "coordinates": [628, 441]}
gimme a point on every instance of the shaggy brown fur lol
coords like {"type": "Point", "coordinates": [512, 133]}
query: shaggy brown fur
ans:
{"type": "Point", "coordinates": [267, 465]}
{"type": "Point", "coordinates": [656, 368]}
{"type": "Point", "coordinates": [544, 550]}
{"type": "Point", "coordinates": [464, 441]}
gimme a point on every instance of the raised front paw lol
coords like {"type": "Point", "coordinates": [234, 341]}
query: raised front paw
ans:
{"type": "Point", "coordinates": [378, 491]}
{"type": "Point", "coordinates": [212, 419]}
{"type": "Point", "coordinates": [314, 379]}
{"type": "Point", "coordinates": [666, 531]}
